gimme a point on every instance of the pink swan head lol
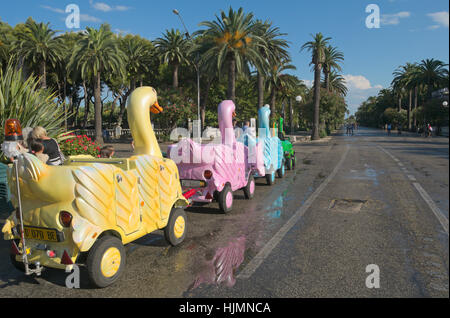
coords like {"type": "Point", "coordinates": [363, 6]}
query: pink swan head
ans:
{"type": "Point", "coordinates": [225, 113]}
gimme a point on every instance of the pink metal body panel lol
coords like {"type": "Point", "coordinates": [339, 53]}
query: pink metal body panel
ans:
{"type": "Point", "coordinates": [228, 161]}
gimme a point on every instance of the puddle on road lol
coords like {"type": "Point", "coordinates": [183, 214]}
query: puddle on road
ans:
{"type": "Point", "coordinates": [275, 210]}
{"type": "Point", "coordinates": [221, 268]}
{"type": "Point", "coordinates": [248, 233]}
{"type": "Point", "coordinates": [367, 174]}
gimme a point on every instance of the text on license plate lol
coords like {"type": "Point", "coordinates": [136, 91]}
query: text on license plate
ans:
{"type": "Point", "coordinates": [40, 234]}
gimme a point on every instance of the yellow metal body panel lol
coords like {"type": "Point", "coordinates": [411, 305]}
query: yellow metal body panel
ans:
{"type": "Point", "coordinates": [128, 197]}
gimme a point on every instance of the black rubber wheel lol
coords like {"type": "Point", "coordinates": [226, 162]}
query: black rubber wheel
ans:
{"type": "Point", "coordinates": [289, 163]}
{"type": "Point", "coordinates": [175, 231]}
{"type": "Point", "coordinates": [20, 266]}
{"type": "Point", "coordinates": [225, 199]}
{"type": "Point", "coordinates": [249, 190]}
{"type": "Point", "coordinates": [270, 178]}
{"type": "Point", "coordinates": [17, 264]}
{"type": "Point", "coordinates": [282, 171]}
{"type": "Point", "coordinates": [102, 261]}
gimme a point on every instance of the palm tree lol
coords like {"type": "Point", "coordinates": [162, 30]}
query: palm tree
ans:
{"type": "Point", "coordinates": [138, 52]}
{"type": "Point", "coordinates": [207, 69]}
{"type": "Point", "coordinates": [278, 82]}
{"type": "Point", "coordinates": [398, 86]}
{"type": "Point", "coordinates": [317, 48]}
{"type": "Point", "coordinates": [96, 53]}
{"type": "Point", "coordinates": [405, 78]}
{"type": "Point", "coordinates": [336, 84]}
{"type": "Point", "coordinates": [432, 73]}
{"type": "Point", "coordinates": [272, 50]}
{"type": "Point", "coordinates": [173, 48]}
{"type": "Point", "coordinates": [235, 44]}
{"type": "Point", "coordinates": [6, 40]}
{"type": "Point", "coordinates": [331, 62]}
{"type": "Point", "coordinates": [37, 45]}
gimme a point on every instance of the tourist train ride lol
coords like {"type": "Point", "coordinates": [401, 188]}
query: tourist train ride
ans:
{"type": "Point", "coordinates": [87, 210]}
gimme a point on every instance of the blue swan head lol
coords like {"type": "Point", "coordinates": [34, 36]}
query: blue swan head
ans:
{"type": "Point", "coordinates": [263, 119]}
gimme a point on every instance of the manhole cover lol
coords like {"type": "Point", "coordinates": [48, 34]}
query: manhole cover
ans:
{"type": "Point", "coordinates": [346, 205]}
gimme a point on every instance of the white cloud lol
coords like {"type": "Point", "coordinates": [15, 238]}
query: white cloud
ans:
{"type": "Point", "coordinates": [57, 10]}
{"type": "Point", "coordinates": [359, 89]}
{"type": "Point", "coordinates": [308, 83]}
{"type": "Point", "coordinates": [433, 27]}
{"type": "Point", "coordinates": [89, 18]}
{"type": "Point", "coordinates": [441, 18]}
{"type": "Point", "coordinates": [119, 31]}
{"type": "Point", "coordinates": [394, 19]}
{"type": "Point", "coordinates": [83, 17]}
{"type": "Point", "coordinates": [122, 8]}
{"type": "Point", "coordinates": [358, 82]}
{"type": "Point", "coordinates": [101, 6]}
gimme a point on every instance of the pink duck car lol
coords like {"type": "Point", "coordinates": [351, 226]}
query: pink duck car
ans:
{"type": "Point", "coordinates": [214, 171]}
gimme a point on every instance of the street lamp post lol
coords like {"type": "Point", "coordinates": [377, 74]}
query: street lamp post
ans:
{"type": "Point", "coordinates": [298, 99]}
{"type": "Point", "coordinates": [176, 12]}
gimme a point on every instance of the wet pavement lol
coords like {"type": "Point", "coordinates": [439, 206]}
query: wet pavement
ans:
{"type": "Point", "coordinates": [365, 211]}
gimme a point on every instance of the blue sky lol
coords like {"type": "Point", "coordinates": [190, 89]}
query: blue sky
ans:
{"type": "Point", "coordinates": [410, 30]}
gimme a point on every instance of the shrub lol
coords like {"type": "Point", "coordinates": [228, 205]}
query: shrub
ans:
{"type": "Point", "coordinates": [322, 133]}
{"type": "Point", "coordinates": [23, 100]}
{"type": "Point", "coordinates": [80, 145]}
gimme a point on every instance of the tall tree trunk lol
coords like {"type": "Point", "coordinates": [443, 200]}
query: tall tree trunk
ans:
{"type": "Point", "coordinates": [113, 107]}
{"type": "Point", "coordinates": [43, 71]}
{"type": "Point", "coordinates": [409, 110]}
{"type": "Point", "coordinates": [65, 106]}
{"type": "Point", "coordinates": [273, 99]}
{"type": "Point", "coordinates": [204, 101]}
{"type": "Point", "coordinates": [327, 79]}
{"type": "Point", "coordinates": [123, 101]}
{"type": "Point", "coordinates": [231, 92]}
{"type": "Point", "coordinates": [415, 106]}
{"type": "Point", "coordinates": [399, 103]}
{"type": "Point", "coordinates": [87, 100]}
{"type": "Point", "coordinates": [260, 90]}
{"type": "Point", "coordinates": [98, 109]}
{"type": "Point", "coordinates": [315, 129]}
{"type": "Point", "coordinates": [175, 75]}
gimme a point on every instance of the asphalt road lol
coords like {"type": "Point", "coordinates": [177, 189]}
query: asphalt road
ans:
{"type": "Point", "coordinates": [352, 201]}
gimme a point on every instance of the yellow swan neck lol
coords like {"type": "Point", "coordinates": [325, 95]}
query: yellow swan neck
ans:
{"type": "Point", "coordinates": [139, 103]}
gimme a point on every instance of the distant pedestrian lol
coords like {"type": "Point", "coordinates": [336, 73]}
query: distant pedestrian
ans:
{"type": "Point", "coordinates": [389, 127]}
{"type": "Point", "coordinates": [399, 131]}
{"type": "Point", "coordinates": [429, 131]}
{"type": "Point", "coordinates": [106, 135]}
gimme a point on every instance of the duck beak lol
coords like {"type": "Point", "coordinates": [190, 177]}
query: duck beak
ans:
{"type": "Point", "coordinates": [156, 109]}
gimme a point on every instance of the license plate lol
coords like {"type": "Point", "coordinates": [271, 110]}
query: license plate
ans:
{"type": "Point", "coordinates": [41, 234]}
{"type": "Point", "coordinates": [193, 184]}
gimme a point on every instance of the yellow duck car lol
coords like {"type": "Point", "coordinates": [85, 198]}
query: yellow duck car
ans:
{"type": "Point", "coordinates": [87, 210]}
